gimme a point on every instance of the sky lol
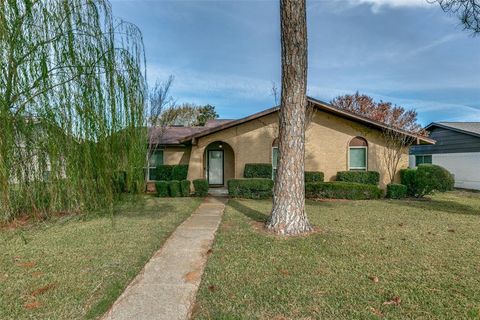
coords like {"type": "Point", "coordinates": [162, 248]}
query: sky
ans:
{"type": "Point", "coordinates": [227, 53]}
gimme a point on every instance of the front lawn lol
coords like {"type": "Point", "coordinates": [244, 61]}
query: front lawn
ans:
{"type": "Point", "coordinates": [371, 259]}
{"type": "Point", "coordinates": [75, 267]}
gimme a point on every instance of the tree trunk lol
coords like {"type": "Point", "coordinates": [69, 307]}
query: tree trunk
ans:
{"type": "Point", "coordinates": [288, 213]}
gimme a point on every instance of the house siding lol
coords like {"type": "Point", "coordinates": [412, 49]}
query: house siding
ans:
{"type": "Point", "coordinates": [448, 141]}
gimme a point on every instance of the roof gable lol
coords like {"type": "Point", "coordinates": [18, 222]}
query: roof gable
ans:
{"type": "Point", "coordinates": [470, 128]}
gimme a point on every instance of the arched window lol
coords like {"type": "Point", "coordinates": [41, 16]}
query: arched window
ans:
{"type": "Point", "coordinates": [275, 155]}
{"type": "Point", "coordinates": [358, 154]}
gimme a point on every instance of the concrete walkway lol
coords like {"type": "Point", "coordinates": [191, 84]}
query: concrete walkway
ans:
{"type": "Point", "coordinates": [167, 285]}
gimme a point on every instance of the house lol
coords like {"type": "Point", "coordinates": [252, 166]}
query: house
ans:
{"type": "Point", "coordinates": [457, 149]}
{"type": "Point", "coordinates": [336, 140]}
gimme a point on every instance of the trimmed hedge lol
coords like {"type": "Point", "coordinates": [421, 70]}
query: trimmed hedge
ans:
{"type": "Point", "coordinates": [180, 172]}
{"type": "Point", "coordinates": [366, 177]}
{"type": "Point", "coordinates": [314, 176]}
{"type": "Point", "coordinates": [408, 179]}
{"type": "Point", "coordinates": [396, 191]}
{"type": "Point", "coordinates": [167, 172]}
{"type": "Point", "coordinates": [258, 170]}
{"type": "Point", "coordinates": [164, 172]}
{"type": "Point", "coordinates": [174, 188]}
{"type": "Point", "coordinates": [162, 188]}
{"type": "Point", "coordinates": [426, 179]}
{"type": "Point", "coordinates": [255, 188]}
{"type": "Point", "coordinates": [201, 187]}
{"type": "Point", "coordinates": [185, 188]}
{"type": "Point", "coordinates": [342, 190]}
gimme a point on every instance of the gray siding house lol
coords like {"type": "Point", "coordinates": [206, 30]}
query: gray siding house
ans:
{"type": "Point", "coordinates": [457, 149]}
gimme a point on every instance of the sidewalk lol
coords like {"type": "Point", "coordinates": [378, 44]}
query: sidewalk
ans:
{"type": "Point", "coordinates": [166, 287]}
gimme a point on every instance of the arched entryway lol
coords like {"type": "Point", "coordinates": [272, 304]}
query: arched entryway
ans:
{"type": "Point", "coordinates": [219, 163]}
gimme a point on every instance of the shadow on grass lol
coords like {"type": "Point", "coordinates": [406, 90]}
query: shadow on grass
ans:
{"type": "Point", "coordinates": [440, 205]}
{"type": "Point", "coordinates": [247, 211]}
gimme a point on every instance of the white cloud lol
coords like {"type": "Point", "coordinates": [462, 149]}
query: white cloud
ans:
{"type": "Point", "coordinates": [378, 4]}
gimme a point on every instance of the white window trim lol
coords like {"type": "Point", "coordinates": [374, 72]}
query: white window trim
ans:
{"type": "Point", "coordinates": [422, 155]}
{"type": "Point", "coordinates": [274, 167]}
{"type": "Point", "coordinates": [366, 158]}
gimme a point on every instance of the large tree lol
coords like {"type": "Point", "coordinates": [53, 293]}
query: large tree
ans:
{"type": "Point", "coordinates": [467, 10]}
{"type": "Point", "coordinates": [381, 111]}
{"type": "Point", "coordinates": [72, 92]}
{"type": "Point", "coordinates": [288, 215]}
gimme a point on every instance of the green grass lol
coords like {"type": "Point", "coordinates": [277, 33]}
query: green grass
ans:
{"type": "Point", "coordinates": [75, 267]}
{"type": "Point", "coordinates": [427, 253]}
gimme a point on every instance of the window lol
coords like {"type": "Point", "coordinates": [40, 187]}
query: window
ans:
{"type": "Point", "coordinates": [156, 160]}
{"type": "Point", "coordinates": [423, 159]}
{"type": "Point", "coordinates": [358, 154]}
{"type": "Point", "coordinates": [275, 154]}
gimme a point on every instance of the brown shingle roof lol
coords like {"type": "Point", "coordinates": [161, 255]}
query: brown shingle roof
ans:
{"type": "Point", "coordinates": [172, 135]}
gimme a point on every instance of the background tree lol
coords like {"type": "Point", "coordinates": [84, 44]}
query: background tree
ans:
{"type": "Point", "coordinates": [189, 114]}
{"type": "Point", "coordinates": [288, 212]}
{"type": "Point", "coordinates": [72, 92]}
{"type": "Point", "coordinates": [385, 112]}
{"type": "Point", "coordinates": [467, 10]}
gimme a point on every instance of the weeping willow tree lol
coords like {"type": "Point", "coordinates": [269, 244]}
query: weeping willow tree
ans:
{"type": "Point", "coordinates": [72, 90]}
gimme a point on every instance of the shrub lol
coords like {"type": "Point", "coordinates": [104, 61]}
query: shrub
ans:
{"type": "Point", "coordinates": [408, 179]}
{"type": "Point", "coordinates": [255, 188]}
{"type": "Point", "coordinates": [396, 191]}
{"type": "Point", "coordinates": [162, 188]}
{"type": "Point", "coordinates": [313, 176]}
{"type": "Point", "coordinates": [366, 177]}
{"type": "Point", "coordinates": [342, 190]}
{"type": "Point", "coordinates": [201, 187]}
{"type": "Point", "coordinates": [258, 170]}
{"type": "Point", "coordinates": [164, 172]}
{"type": "Point", "coordinates": [185, 188]}
{"type": "Point", "coordinates": [180, 172]}
{"type": "Point", "coordinates": [174, 188]}
{"type": "Point", "coordinates": [426, 179]}
{"type": "Point", "coordinates": [431, 178]}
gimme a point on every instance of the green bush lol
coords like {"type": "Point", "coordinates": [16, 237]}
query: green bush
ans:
{"type": "Point", "coordinates": [162, 188]}
{"type": "Point", "coordinates": [426, 179]}
{"type": "Point", "coordinates": [164, 172]}
{"type": "Point", "coordinates": [408, 179]}
{"type": "Point", "coordinates": [342, 190]}
{"type": "Point", "coordinates": [366, 177]}
{"type": "Point", "coordinates": [201, 187]}
{"type": "Point", "coordinates": [255, 188]}
{"type": "Point", "coordinates": [432, 178]}
{"type": "Point", "coordinates": [258, 170]}
{"type": "Point", "coordinates": [180, 172]}
{"type": "Point", "coordinates": [314, 176]}
{"type": "Point", "coordinates": [396, 191]}
{"type": "Point", "coordinates": [185, 188]}
{"type": "Point", "coordinates": [174, 188]}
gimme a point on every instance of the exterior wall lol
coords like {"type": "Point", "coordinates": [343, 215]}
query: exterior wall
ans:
{"type": "Point", "coordinates": [176, 155]}
{"type": "Point", "coordinates": [448, 141]}
{"type": "Point", "coordinates": [327, 140]}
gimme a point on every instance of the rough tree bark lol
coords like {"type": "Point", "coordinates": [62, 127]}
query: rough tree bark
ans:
{"type": "Point", "coordinates": [288, 213]}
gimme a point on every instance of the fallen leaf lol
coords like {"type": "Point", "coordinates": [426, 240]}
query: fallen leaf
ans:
{"type": "Point", "coordinates": [374, 279]}
{"type": "Point", "coordinates": [42, 289]}
{"type": "Point", "coordinates": [191, 276]}
{"type": "Point", "coordinates": [451, 230]}
{"type": "Point", "coordinates": [400, 224]}
{"type": "Point", "coordinates": [37, 274]}
{"type": "Point", "coordinates": [394, 301]}
{"type": "Point", "coordinates": [210, 251]}
{"type": "Point", "coordinates": [284, 272]}
{"type": "Point", "coordinates": [376, 311]}
{"type": "Point", "coordinates": [32, 305]}
{"type": "Point", "coordinates": [28, 264]}
{"type": "Point", "coordinates": [382, 238]}
{"type": "Point", "coordinates": [212, 288]}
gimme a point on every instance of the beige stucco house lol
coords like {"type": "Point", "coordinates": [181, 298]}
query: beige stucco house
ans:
{"type": "Point", "coordinates": [336, 140]}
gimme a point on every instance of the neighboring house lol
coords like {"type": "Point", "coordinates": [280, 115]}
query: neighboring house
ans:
{"type": "Point", "coordinates": [457, 149]}
{"type": "Point", "coordinates": [336, 140]}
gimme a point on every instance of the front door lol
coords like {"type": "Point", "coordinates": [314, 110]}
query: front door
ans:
{"type": "Point", "coordinates": [215, 167]}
